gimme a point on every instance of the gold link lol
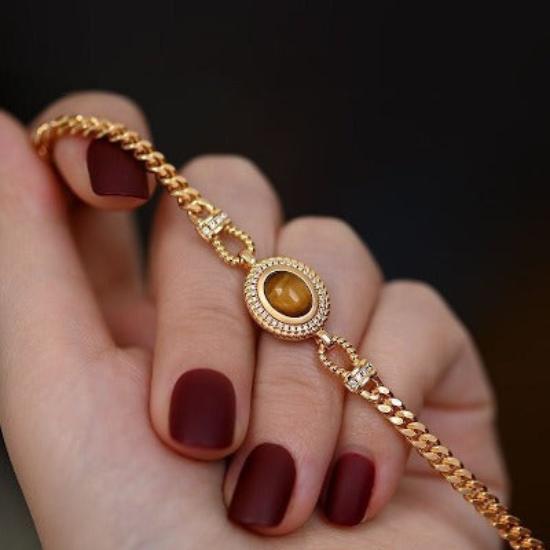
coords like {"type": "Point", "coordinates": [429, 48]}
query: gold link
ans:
{"type": "Point", "coordinates": [360, 373]}
{"type": "Point", "coordinates": [228, 257]}
{"type": "Point", "coordinates": [248, 258]}
{"type": "Point", "coordinates": [324, 337]}
{"type": "Point", "coordinates": [428, 446]}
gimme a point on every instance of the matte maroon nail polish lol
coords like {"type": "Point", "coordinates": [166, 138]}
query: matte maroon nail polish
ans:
{"type": "Point", "coordinates": [349, 489]}
{"type": "Point", "coordinates": [264, 487]}
{"type": "Point", "coordinates": [114, 171]}
{"type": "Point", "coordinates": [202, 409]}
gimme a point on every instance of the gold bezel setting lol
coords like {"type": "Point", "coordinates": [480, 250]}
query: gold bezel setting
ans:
{"type": "Point", "coordinates": [272, 320]}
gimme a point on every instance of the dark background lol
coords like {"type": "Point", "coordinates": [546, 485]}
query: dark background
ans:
{"type": "Point", "coordinates": [425, 125]}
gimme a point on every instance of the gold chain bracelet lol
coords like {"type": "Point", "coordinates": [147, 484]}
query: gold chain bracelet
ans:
{"type": "Point", "coordinates": [359, 376]}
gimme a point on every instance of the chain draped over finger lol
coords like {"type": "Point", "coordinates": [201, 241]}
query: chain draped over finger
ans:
{"type": "Point", "coordinates": [211, 222]}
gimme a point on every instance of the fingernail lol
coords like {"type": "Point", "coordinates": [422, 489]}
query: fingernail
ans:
{"type": "Point", "coordinates": [264, 487]}
{"type": "Point", "coordinates": [349, 489]}
{"type": "Point", "coordinates": [202, 409]}
{"type": "Point", "coordinates": [115, 172]}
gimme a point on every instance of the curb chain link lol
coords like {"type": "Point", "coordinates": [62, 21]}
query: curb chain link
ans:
{"type": "Point", "coordinates": [188, 198]}
{"type": "Point", "coordinates": [427, 445]}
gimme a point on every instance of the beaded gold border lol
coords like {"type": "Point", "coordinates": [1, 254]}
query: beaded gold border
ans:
{"type": "Point", "coordinates": [289, 328]}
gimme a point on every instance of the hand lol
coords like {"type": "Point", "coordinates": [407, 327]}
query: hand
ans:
{"type": "Point", "coordinates": [119, 397]}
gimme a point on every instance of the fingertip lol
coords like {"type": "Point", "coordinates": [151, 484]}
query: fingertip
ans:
{"type": "Point", "coordinates": [200, 421]}
{"type": "Point", "coordinates": [202, 410]}
{"type": "Point", "coordinates": [262, 494]}
{"type": "Point", "coordinates": [101, 173]}
{"type": "Point", "coordinates": [369, 465]}
{"type": "Point", "coordinates": [348, 490]}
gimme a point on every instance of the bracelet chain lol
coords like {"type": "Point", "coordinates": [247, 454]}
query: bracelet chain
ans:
{"type": "Point", "coordinates": [362, 378]}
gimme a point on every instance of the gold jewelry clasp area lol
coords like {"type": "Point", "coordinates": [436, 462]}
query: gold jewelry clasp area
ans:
{"type": "Point", "coordinates": [212, 224]}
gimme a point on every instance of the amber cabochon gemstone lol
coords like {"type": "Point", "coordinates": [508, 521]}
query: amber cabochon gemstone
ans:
{"type": "Point", "coordinates": [288, 294]}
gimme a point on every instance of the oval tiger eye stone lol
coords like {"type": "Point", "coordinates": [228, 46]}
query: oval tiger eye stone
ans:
{"type": "Point", "coordinates": [288, 294]}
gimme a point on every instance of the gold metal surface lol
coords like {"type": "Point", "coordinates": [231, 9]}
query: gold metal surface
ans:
{"type": "Point", "coordinates": [359, 377]}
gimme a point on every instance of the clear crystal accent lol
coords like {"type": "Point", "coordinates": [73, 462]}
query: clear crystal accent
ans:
{"type": "Point", "coordinates": [213, 224]}
{"type": "Point", "coordinates": [357, 378]}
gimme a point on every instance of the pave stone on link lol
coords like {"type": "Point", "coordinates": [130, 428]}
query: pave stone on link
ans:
{"type": "Point", "coordinates": [287, 298]}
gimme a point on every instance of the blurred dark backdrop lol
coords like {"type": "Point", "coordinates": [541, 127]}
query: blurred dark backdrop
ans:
{"type": "Point", "coordinates": [425, 125]}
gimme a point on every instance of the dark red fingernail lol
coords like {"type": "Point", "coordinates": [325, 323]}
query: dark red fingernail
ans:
{"type": "Point", "coordinates": [115, 172]}
{"type": "Point", "coordinates": [264, 488]}
{"type": "Point", "coordinates": [349, 489]}
{"type": "Point", "coordinates": [202, 409]}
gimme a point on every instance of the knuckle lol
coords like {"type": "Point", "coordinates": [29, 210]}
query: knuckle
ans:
{"type": "Point", "coordinates": [335, 234]}
{"type": "Point", "coordinates": [213, 314]}
{"type": "Point", "coordinates": [234, 167]}
{"type": "Point", "coordinates": [213, 311]}
{"type": "Point", "coordinates": [235, 164]}
{"type": "Point", "coordinates": [301, 385]}
{"type": "Point", "coordinates": [417, 291]}
{"type": "Point", "coordinates": [243, 174]}
{"type": "Point", "coordinates": [220, 328]}
{"type": "Point", "coordinates": [326, 228]}
{"type": "Point", "coordinates": [427, 300]}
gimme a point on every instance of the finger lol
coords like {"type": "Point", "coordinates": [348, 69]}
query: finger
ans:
{"type": "Point", "coordinates": [297, 405]}
{"type": "Point", "coordinates": [50, 326]}
{"type": "Point", "coordinates": [40, 268]}
{"type": "Point", "coordinates": [71, 404]}
{"type": "Point", "coordinates": [205, 350]}
{"type": "Point", "coordinates": [99, 172]}
{"type": "Point", "coordinates": [414, 341]}
{"type": "Point", "coordinates": [107, 241]}
{"type": "Point", "coordinates": [110, 253]}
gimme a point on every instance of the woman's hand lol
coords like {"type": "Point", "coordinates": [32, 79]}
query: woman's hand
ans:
{"type": "Point", "coordinates": [119, 397]}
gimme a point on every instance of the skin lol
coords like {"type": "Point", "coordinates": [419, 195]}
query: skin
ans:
{"type": "Point", "coordinates": [90, 351]}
